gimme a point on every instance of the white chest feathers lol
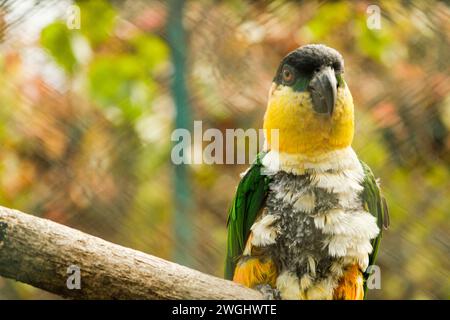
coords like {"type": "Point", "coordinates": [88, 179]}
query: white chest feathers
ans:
{"type": "Point", "coordinates": [342, 229]}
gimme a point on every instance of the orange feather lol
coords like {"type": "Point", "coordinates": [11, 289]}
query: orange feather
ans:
{"type": "Point", "coordinates": [254, 271]}
{"type": "Point", "coordinates": [351, 285]}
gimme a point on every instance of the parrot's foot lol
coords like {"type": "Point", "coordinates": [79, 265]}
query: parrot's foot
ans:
{"type": "Point", "coordinates": [268, 292]}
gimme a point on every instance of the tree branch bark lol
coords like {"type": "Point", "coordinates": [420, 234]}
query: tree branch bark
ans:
{"type": "Point", "coordinates": [39, 252]}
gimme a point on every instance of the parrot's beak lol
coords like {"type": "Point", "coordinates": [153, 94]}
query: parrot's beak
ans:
{"type": "Point", "coordinates": [323, 89]}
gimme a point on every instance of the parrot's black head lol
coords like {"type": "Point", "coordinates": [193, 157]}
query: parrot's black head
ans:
{"type": "Point", "coordinates": [309, 103]}
{"type": "Point", "coordinates": [315, 68]}
{"type": "Point", "coordinates": [310, 58]}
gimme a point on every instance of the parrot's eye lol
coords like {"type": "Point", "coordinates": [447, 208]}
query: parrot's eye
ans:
{"type": "Point", "coordinates": [288, 75]}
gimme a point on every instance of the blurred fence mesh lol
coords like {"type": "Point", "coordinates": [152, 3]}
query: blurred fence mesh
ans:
{"type": "Point", "coordinates": [86, 117]}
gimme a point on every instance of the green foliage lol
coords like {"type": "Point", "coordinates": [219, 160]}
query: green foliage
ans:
{"type": "Point", "coordinates": [151, 52]}
{"type": "Point", "coordinates": [57, 39]}
{"type": "Point", "coordinates": [98, 18]}
{"type": "Point", "coordinates": [339, 16]}
{"type": "Point", "coordinates": [328, 19]}
{"type": "Point", "coordinates": [120, 81]}
{"type": "Point", "coordinates": [374, 43]}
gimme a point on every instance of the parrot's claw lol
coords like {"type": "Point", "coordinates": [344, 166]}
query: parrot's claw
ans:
{"type": "Point", "coordinates": [268, 292]}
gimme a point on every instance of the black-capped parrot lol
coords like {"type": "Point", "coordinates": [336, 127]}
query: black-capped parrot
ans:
{"type": "Point", "coordinates": [307, 217]}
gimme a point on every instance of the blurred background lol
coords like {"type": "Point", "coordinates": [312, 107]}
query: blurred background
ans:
{"type": "Point", "coordinates": [90, 92]}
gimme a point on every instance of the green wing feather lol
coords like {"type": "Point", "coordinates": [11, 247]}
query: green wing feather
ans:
{"type": "Point", "coordinates": [248, 201]}
{"type": "Point", "coordinates": [376, 205]}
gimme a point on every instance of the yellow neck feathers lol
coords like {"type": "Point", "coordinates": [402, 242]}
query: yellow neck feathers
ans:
{"type": "Point", "coordinates": [303, 131]}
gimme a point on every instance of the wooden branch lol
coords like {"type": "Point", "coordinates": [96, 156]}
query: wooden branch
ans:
{"type": "Point", "coordinates": [39, 252]}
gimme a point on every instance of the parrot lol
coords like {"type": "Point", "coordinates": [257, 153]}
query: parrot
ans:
{"type": "Point", "coordinates": [307, 217]}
